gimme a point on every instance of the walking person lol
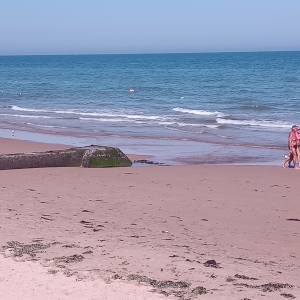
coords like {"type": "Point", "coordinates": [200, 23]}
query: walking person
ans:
{"type": "Point", "coordinates": [294, 140]}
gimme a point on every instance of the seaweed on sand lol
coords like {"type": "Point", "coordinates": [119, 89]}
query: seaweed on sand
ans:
{"type": "Point", "coordinates": [159, 284]}
{"type": "Point", "coordinates": [20, 249]}
{"type": "Point", "coordinates": [287, 296]}
{"type": "Point", "coordinates": [244, 277]}
{"type": "Point", "coordinates": [69, 259]}
{"type": "Point", "coordinates": [269, 287]}
{"type": "Point", "coordinates": [180, 289]}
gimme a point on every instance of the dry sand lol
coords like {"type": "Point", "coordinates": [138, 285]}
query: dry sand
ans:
{"type": "Point", "coordinates": [119, 233]}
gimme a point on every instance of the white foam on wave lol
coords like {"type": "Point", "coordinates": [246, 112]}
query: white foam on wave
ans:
{"type": "Point", "coordinates": [103, 119]}
{"type": "Point", "coordinates": [46, 126]}
{"type": "Point", "coordinates": [27, 116]}
{"type": "Point", "coordinates": [91, 114]}
{"type": "Point", "coordinates": [141, 117]}
{"type": "Point", "coordinates": [198, 112]}
{"type": "Point", "coordinates": [149, 122]}
{"type": "Point", "coordinates": [197, 125]}
{"type": "Point", "coordinates": [15, 107]}
{"type": "Point", "coordinates": [116, 115]}
{"type": "Point", "coordinates": [109, 116]}
{"type": "Point", "coordinates": [180, 124]}
{"type": "Point", "coordinates": [254, 123]}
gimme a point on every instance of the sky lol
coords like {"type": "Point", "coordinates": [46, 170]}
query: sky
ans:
{"type": "Point", "coordinates": [31, 27]}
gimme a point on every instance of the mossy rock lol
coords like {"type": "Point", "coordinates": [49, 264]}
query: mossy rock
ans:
{"type": "Point", "coordinates": [88, 157]}
{"type": "Point", "coordinates": [103, 157]}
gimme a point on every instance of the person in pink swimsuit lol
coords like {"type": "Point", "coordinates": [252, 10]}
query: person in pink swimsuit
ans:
{"type": "Point", "coordinates": [294, 141]}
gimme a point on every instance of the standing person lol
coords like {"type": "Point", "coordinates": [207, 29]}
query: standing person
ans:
{"type": "Point", "coordinates": [294, 139]}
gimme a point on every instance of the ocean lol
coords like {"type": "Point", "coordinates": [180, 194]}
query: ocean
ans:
{"type": "Point", "coordinates": [206, 108]}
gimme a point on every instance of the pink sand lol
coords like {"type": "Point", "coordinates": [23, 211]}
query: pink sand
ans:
{"type": "Point", "coordinates": [159, 222]}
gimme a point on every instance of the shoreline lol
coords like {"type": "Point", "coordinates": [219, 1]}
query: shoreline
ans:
{"type": "Point", "coordinates": [13, 146]}
{"type": "Point", "coordinates": [167, 152]}
{"type": "Point", "coordinates": [90, 226]}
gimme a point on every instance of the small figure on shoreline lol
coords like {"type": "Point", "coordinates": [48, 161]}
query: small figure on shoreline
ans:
{"type": "Point", "coordinates": [288, 159]}
{"type": "Point", "coordinates": [293, 144]}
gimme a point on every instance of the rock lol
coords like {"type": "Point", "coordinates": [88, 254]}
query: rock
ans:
{"type": "Point", "coordinates": [211, 263]}
{"type": "Point", "coordinates": [100, 157]}
{"type": "Point", "coordinates": [199, 290]}
{"type": "Point", "coordinates": [88, 157]}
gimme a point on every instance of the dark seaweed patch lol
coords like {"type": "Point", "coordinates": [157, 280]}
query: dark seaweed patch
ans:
{"type": "Point", "coordinates": [69, 259]}
{"type": "Point", "coordinates": [230, 279]}
{"type": "Point", "coordinates": [70, 246]}
{"type": "Point", "coordinates": [157, 283]}
{"type": "Point", "coordinates": [179, 289]}
{"type": "Point", "coordinates": [199, 290]}
{"type": "Point", "coordinates": [149, 162]}
{"type": "Point", "coordinates": [20, 249]}
{"type": "Point", "coordinates": [269, 287]}
{"type": "Point", "coordinates": [288, 296]}
{"type": "Point", "coordinates": [244, 277]}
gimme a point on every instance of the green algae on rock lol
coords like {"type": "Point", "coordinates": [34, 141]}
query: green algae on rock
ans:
{"type": "Point", "coordinates": [102, 157]}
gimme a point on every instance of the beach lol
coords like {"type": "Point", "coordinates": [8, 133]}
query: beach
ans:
{"type": "Point", "coordinates": [148, 232]}
{"type": "Point", "coordinates": [183, 104]}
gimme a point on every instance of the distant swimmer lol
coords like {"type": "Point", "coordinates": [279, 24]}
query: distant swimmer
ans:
{"type": "Point", "coordinates": [131, 90]}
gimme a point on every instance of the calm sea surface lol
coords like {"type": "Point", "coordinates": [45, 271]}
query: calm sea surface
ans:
{"type": "Point", "coordinates": [185, 108]}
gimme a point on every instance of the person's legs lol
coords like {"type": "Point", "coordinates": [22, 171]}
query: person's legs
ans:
{"type": "Point", "coordinates": [288, 159]}
{"type": "Point", "coordinates": [298, 156]}
{"type": "Point", "coordinates": [295, 156]}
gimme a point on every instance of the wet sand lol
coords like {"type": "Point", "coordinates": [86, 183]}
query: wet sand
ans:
{"type": "Point", "coordinates": [189, 232]}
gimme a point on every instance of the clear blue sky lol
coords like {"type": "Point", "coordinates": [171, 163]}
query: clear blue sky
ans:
{"type": "Point", "coordinates": [147, 26]}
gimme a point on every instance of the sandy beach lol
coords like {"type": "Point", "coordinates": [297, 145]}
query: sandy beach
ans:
{"type": "Point", "coordinates": [149, 232]}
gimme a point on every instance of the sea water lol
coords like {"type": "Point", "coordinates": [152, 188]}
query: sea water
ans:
{"type": "Point", "coordinates": [182, 108]}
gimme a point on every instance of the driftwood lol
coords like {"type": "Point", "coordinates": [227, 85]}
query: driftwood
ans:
{"type": "Point", "coordinates": [87, 157]}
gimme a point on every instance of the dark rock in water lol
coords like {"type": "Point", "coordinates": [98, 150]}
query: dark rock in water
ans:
{"type": "Point", "coordinates": [149, 162]}
{"type": "Point", "coordinates": [211, 263]}
{"type": "Point", "coordinates": [87, 157]}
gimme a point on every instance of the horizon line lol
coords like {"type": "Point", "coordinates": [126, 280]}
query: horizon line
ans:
{"type": "Point", "coordinates": [150, 53]}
